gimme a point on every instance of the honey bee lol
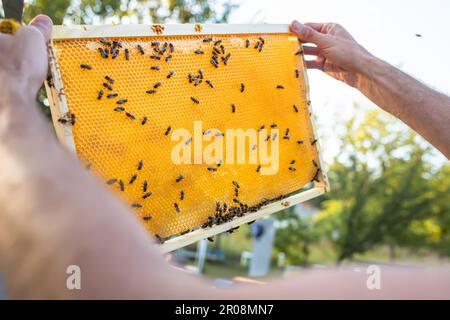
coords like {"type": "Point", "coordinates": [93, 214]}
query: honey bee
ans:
{"type": "Point", "coordinates": [121, 185]}
{"type": "Point", "coordinates": [295, 108]}
{"type": "Point", "coordinates": [140, 49]}
{"type": "Point", "coordinates": [179, 178]}
{"type": "Point", "coordinates": [129, 115]}
{"type": "Point", "coordinates": [105, 42]}
{"type": "Point", "coordinates": [199, 52]}
{"type": "Point", "coordinates": [109, 79]}
{"type": "Point", "coordinates": [214, 63]}
{"type": "Point", "coordinates": [316, 176]}
{"type": "Point", "coordinates": [146, 195]}
{"type": "Point", "coordinates": [136, 205]}
{"type": "Point", "coordinates": [157, 68]}
{"type": "Point", "coordinates": [103, 53]}
{"type": "Point", "coordinates": [112, 95]}
{"type": "Point", "coordinates": [177, 208]}
{"type": "Point", "coordinates": [144, 121]}
{"type": "Point", "coordinates": [144, 186]}
{"type": "Point", "coordinates": [140, 164]}
{"type": "Point", "coordinates": [170, 74]}
{"type": "Point", "coordinates": [86, 66]}
{"type": "Point", "coordinates": [122, 101]}
{"type": "Point", "coordinates": [100, 95]}
{"type": "Point", "coordinates": [188, 141]}
{"type": "Point", "coordinates": [242, 87]}
{"type": "Point", "coordinates": [280, 86]}
{"type": "Point", "coordinates": [168, 130]}
{"type": "Point", "coordinates": [133, 179]}
{"type": "Point", "coordinates": [195, 100]}
{"type": "Point", "coordinates": [209, 83]}
{"type": "Point", "coordinates": [225, 60]}
{"type": "Point", "coordinates": [111, 181]}
{"type": "Point", "coordinates": [108, 86]}
{"type": "Point", "coordinates": [182, 195]}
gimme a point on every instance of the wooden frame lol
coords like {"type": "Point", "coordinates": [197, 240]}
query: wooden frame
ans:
{"type": "Point", "coordinates": [58, 106]}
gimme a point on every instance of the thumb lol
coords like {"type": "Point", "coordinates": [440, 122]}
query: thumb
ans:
{"type": "Point", "coordinates": [44, 24]}
{"type": "Point", "coordinates": [306, 33]}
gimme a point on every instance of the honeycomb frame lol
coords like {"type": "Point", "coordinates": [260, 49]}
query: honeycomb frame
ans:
{"type": "Point", "coordinates": [59, 106]}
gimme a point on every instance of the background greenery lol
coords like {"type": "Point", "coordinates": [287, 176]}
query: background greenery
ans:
{"type": "Point", "coordinates": [387, 199]}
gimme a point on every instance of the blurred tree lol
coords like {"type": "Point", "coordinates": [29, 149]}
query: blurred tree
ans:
{"type": "Point", "coordinates": [136, 11]}
{"type": "Point", "coordinates": [295, 235]}
{"type": "Point", "coordinates": [383, 190]}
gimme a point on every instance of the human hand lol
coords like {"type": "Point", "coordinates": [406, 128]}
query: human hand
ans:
{"type": "Point", "coordinates": [24, 62]}
{"type": "Point", "coordinates": [337, 53]}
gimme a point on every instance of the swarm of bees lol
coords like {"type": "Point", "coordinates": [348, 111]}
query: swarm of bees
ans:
{"type": "Point", "coordinates": [163, 52]}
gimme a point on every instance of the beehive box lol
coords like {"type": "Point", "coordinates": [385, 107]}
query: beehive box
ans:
{"type": "Point", "coordinates": [143, 106]}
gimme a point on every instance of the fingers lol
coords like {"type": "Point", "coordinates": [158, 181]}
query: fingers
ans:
{"type": "Point", "coordinates": [315, 64]}
{"type": "Point", "coordinates": [311, 51]}
{"type": "Point", "coordinates": [316, 26]}
{"type": "Point", "coordinates": [44, 24]}
{"type": "Point", "coordinates": [307, 33]}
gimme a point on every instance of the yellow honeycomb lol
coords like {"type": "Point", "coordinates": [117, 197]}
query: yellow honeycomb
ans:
{"type": "Point", "coordinates": [114, 144]}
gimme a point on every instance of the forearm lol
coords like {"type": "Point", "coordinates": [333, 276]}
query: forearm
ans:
{"type": "Point", "coordinates": [54, 214]}
{"type": "Point", "coordinates": [420, 107]}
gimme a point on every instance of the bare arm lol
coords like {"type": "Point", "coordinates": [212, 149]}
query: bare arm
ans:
{"type": "Point", "coordinates": [425, 110]}
{"type": "Point", "coordinates": [54, 214]}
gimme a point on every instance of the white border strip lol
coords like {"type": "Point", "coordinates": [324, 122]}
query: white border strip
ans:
{"type": "Point", "coordinates": [142, 30]}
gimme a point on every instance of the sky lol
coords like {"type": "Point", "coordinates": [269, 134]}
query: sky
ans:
{"type": "Point", "coordinates": [386, 28]}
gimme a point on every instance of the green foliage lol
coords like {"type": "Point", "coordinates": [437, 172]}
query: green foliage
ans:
{"type": "Point", "coordinates": [384, 192]}
{"type": "Point", "coordinates": [295, 235]}
{"type": "Point", "coordinates": [138, 11]}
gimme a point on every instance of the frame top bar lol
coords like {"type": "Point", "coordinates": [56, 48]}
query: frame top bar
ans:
{"type": "Point", "coordinates": [146, 30]}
